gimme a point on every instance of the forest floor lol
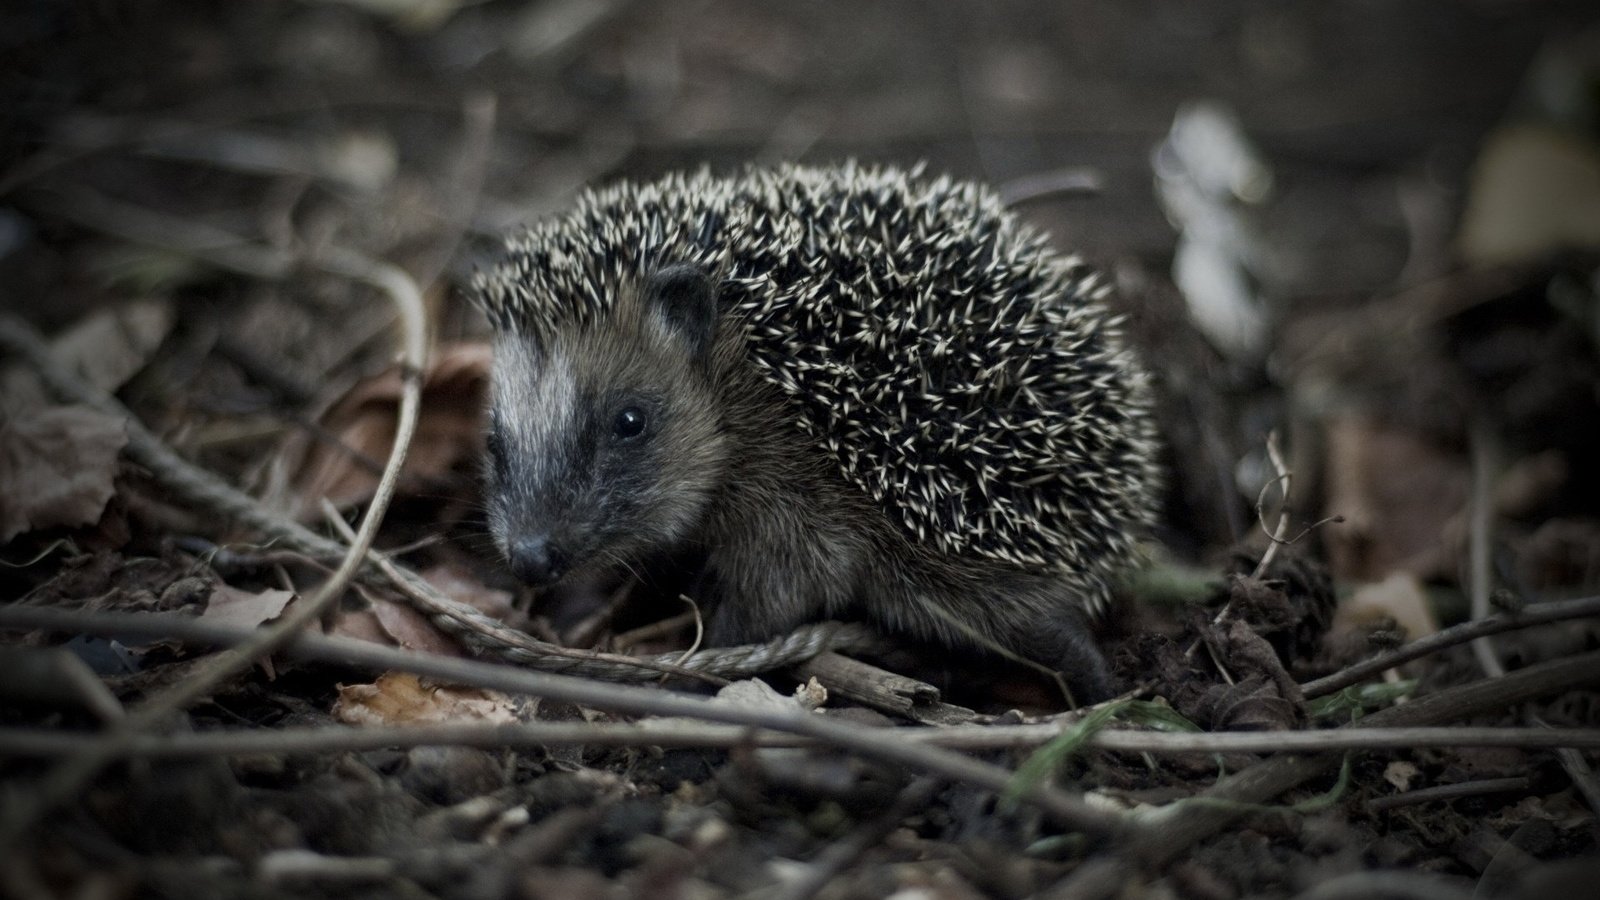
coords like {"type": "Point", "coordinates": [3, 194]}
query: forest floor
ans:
{"type": "Point", "coordinates": [1357, 245]}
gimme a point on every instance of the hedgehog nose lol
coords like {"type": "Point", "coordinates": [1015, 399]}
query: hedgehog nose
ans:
{"type": "Point", "coordinates": [536, 561]}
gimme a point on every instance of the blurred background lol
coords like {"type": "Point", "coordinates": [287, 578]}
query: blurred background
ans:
{"type": "Point", "coordinates": [1363, 109]}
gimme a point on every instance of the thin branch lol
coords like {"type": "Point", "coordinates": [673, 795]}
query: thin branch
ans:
{"type": "Point", "coordinates": [1575, 765]}
{"type": "Point", "coordinates": [678, 732]}
{"type": "Point", "coordinates": [1485, 460]}
{"type": "Point", "coordinates": [1536, 614]}
{"type": "Point", "coordinates": [1450, 792]}
{"type": "Point", "coordinates": [1274, 537]}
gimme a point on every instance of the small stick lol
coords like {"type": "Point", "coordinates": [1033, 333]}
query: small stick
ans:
{"type": "Point", "coordinates": [1485, 459]}
{"type": "Point", "coordinates": [869, 685]}
{"type": "Point", "coordinates": [679, 732]}
{"type": "Point", "coordinates": [1274, 537]}
{"type": "Point", "coordinates": [1575, 765]}
{"type": "Point", "coordinates": [1386, 883]}
{"type": "Point", "coordinates": [1449, 792]}
{"type": "Point", "coordinates": [1536, 614]}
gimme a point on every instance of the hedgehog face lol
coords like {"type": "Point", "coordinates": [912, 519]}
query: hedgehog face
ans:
{"type": "Point", "coordinates": [605, 443]}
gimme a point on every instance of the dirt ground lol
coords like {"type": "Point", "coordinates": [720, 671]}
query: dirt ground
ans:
{"type": "Point", "coordinates": [1357, 245]}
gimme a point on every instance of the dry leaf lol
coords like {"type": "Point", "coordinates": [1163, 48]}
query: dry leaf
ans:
{"type": "Point", "coordinates": [449, 431]}
{"type": "Point", "coordinates": [231, 606]}
{"type": "Point", "coordinates": [112, 345]}
{"type": "Point", "coordinates": [57, 467]}
{"type": "Point", "coordinates": [1398, 598]}
{"type": "Point", "coordinates": [361, 625]}
{"type": "Point", "coordinates": [1401, 774]}
{"type": "Point", "coordinates": [105, 349]}
{"type": "Point", "coordinates": [452, 582]}
{"type": "Point", "coordinates": [399, 698]}
{"type": "Point", "coordinates": [412, 630]}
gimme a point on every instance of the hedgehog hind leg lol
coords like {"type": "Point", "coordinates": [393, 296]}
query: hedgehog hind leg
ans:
{"type": "Point", "coordinates": [1066, 643]}
{"type": "Point", "coordinates": [1037, 617]}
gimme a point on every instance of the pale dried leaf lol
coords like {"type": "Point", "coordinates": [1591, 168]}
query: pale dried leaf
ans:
{"type": "Point", "coordinates": [412, 630]}
{"type": "Point", "coordinates": [231, 606]}
{"type": "Point", "coordinates": [112, 345]}
{"type": "Point", "coordinates": [1398, 598]}
{"type": "Point", "coordinates": [753, 693]}
{"type": "Point", "coordinates": [1400, 774]}
{"type": "Point", "coordinates": [57, 467]}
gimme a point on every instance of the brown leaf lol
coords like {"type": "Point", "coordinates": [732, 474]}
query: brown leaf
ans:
{"type": "Point", "coordinates": [360, 624]}
{"type": "Point", "coordinates": [57, 466]}
{"type": "Point", "coordinates": [449, 431]}
{"type": "Point", "coordinates": [399, 698]}
{"type": "Point", "coordinates": [412, 630]}
{"type": "Point", "coordinates": [454, 583]}
{"type": "Point", "coordinates": [1250, 704]}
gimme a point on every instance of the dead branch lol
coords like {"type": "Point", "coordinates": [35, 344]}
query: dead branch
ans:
{"type": "Point", "coordinates": [1537, 614]}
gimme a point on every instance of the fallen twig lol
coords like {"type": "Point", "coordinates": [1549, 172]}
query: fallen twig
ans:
{"type": "Point", "coordinates": [1285, 478]}
{"type": "Point", "coordinates": [46, 743]}
{"type": "Point", "coordinates": [686, 734]}
{"type": "Point", "coordinates": [1485, 460]}
{"type": "Point", "coordinates": [1536, 614]}
{"type": "Point", "coordinates": [1386, 883]}
{"type": "Point", "coordinates": [1450, 792]}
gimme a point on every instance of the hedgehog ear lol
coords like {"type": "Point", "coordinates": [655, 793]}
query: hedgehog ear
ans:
{"type": "Point", "coordinates": [681, 295]}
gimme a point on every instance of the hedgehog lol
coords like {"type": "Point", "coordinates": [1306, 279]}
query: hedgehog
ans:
{"type": "Point", "coordinates": [851, 392]}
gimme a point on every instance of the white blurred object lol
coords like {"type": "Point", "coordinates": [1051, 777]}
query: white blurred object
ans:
{"type": "Point", "coordinates": [1207, 177]}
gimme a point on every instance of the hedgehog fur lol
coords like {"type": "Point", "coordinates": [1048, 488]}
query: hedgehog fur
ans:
{"type": "Point", "coordinates": [941, 363]}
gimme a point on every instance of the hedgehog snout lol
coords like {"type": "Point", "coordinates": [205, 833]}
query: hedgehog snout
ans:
{"type": "Point", "coordinates": [536, 560]}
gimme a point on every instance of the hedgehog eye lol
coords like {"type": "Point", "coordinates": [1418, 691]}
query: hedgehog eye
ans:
{"type": "Point", "coordinates": [494, 443]}
{"type": "Point", "coordinates": [629, 423]}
